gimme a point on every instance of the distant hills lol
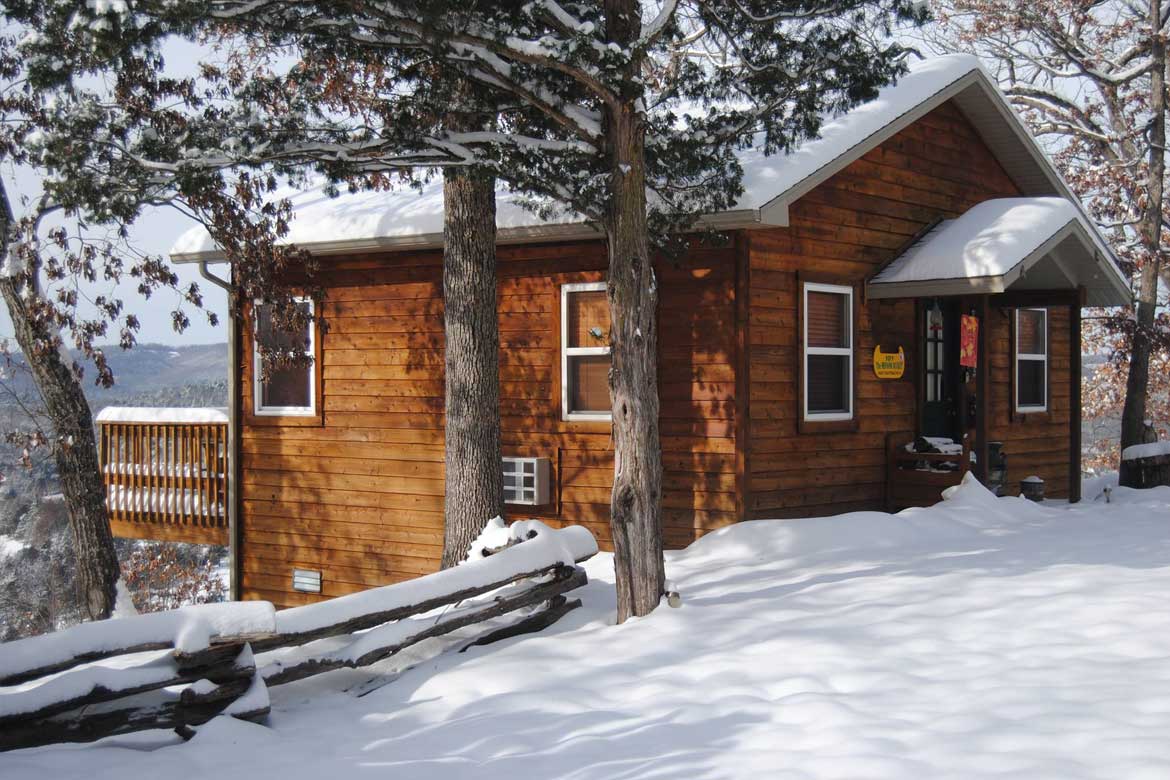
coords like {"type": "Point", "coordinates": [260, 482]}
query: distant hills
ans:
{"type": "Point", "coordinates": [152, 367]}
{"type": "Point", "coordinates": [147, 375]}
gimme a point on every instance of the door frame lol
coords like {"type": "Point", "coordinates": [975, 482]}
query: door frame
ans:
{"type": "Point", "coordinates": [952, 381]}
{"type": "Point", "coordinates": [963, 423]}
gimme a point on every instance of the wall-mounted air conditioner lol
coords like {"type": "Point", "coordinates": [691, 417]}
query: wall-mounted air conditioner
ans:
{"type": "Point", "coordinates": [526, 481]}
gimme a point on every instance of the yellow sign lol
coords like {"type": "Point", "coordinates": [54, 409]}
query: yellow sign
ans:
{"type": "Point", "coordinates": [889, 365]}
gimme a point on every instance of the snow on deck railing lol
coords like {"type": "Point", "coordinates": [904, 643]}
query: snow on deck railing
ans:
{"type": "Point", "coordinates": [1148, 464]}
{"type": "Point", "coordinates": [156, 414]}
{"type": "Point", "coordinates": [74, 685]}
{"type": "Point", "coordinates": [165, 471]}
{"type": "Point", "coordinates": [1151, 450]}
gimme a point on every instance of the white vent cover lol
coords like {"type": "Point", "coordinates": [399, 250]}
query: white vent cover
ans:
{"type": "Point", "coordinates": [526, 481]}
{"type": "Point", "coordinates": [307, 581]}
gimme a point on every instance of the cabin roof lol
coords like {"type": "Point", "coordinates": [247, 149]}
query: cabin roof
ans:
{"type": "Point", "coordinates": [1002, 244]}
{"type": "Point", "coordinates": [411, 218]}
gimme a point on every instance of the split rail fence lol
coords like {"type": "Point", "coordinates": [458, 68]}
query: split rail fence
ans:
{"type": "Point", "coordinates": [180, 668]}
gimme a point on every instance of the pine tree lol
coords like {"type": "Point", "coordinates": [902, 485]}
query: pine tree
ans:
{"type": "Point", "coordinates": [631, 122]}
{"type": "Point", "coordinates": [473, 477]}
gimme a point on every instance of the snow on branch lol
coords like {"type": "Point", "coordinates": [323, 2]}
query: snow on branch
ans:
{"type": "Point", "coordinates": [656, 26]}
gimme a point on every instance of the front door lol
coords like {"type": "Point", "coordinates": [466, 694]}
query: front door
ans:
{"type": "Point", "coordinates": [940, 364]}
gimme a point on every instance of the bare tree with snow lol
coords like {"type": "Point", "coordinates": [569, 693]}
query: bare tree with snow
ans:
{"type": "Point", "coordinates": [1090, 78]}
{"type": "Point", "coordinates": [625, 114]}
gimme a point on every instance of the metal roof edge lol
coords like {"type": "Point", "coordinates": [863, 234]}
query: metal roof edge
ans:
{"type": "Point", "coordinates": [737, 219]}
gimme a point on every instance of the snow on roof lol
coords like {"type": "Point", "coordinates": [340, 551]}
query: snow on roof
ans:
{"type": "Point", "coordinates": [407, 213]}
{"type": "Point", "coordinates": [768, 178]}
{"type": "Point", "coordinates": [149, 414]}
{"type": "Point", "coordinates": [990, 239]}
{"type": "Point", "coordinates": [370, 215]}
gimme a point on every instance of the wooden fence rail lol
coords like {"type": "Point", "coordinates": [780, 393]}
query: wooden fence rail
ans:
{"type": "Point", "coordinates": [112, 677]}
{"type": "Point", "coordinates": [165, 472]}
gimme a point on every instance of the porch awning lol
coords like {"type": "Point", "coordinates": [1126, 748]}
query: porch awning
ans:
{"type": "Point", "coordinates": [1006, 244]}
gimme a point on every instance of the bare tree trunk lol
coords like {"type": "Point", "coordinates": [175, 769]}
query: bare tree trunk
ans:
{"type": "Point", "coordinates": [1133, 415]}
{"type": "Point", "coordinates": [474, 492]}
{"type": "Point", "coordinates": [76, 453]}
{"type": "Point", "coordinates": [636, 501]}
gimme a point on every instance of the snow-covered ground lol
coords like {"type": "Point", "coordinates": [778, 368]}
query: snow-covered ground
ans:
{"type": "Point", "coordinates": [982, 638]}
{"type": "Point", "coordinates": [10, 546]}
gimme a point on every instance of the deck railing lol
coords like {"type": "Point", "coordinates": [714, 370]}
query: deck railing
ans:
{"type": "Point", "coordinates": [165, 472]}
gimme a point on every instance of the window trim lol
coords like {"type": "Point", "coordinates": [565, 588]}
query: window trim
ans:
{"type": "Point", "coordinates": [847, 352]}
{"type": "Point", "coordinates": [258, 407]}
{"type": "Point", "coordinates": [567, 352]}
{"type": "Point", "coordinates": [1019, 356]}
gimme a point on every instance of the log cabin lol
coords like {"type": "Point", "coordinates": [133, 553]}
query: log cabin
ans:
{"type": "Point", "coordinates": [897, 302]}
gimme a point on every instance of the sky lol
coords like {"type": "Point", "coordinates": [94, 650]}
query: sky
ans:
{"type": "Point", "coordinates": [154, 233]}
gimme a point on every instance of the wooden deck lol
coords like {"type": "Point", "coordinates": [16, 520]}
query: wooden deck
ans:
{"type": "Point", "coordinates": [165, 479]}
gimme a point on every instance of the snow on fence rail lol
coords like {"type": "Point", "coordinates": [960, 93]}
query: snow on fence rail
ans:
{"type": "Point", "coordinates": [180, 668]}
{"type": "Point", "coordinates": [165, 472]}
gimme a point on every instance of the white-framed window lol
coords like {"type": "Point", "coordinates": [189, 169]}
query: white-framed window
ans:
{"type": "Point", "coordinates": [585, 352]}
{"type": "Point", "coordinates": [1031, 360]}
{"type": "Point", "coordinates": [827, 323]}
{"type": "Point", "coordinates": [285, 392]}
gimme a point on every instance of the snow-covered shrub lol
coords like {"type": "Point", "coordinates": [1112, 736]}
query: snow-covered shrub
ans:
{"type": "Point", "coordinates": [164, 575]}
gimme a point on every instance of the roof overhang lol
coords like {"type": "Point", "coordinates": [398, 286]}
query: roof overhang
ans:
{"type": "Point", "coordinates": [738, 219]}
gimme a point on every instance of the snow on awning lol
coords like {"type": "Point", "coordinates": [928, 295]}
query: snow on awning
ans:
{"type": "Point", "coordinates": [1007, 243]}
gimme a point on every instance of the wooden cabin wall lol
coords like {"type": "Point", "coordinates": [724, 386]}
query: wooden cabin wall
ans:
{"type": "Point", "coordinates": [1036, 443]}
{"type": "Point", "coordinates": [846, 229]}
{"type": "Point", "coordinates": [358, 494]}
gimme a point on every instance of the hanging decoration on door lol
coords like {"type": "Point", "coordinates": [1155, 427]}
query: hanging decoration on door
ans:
{"type": "Point", "coordinates": [889, 365]}
{"type": "Point", "coordinates": [969, 341]}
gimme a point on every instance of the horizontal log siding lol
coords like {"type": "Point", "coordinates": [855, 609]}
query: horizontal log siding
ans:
{"type": "Point", "coordinates": [1037, 443]}
{"type": "Point", "coordinates": [845, 229]}
{"type": "Point", "coordinates": [359, 495]}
